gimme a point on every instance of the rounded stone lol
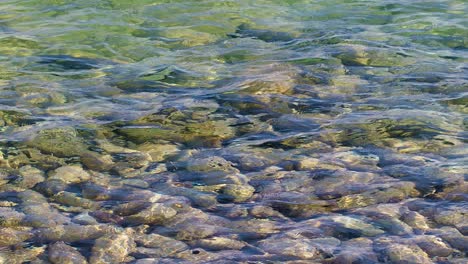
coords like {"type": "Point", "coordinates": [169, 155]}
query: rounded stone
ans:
{"type": "Point", "coordinates": [112, 248]}
{"type": "Point", "coordinates": [237, 193]}
{"type": "Point", "coordinates": [69, 174]}
{"type": "Point", "coordinates": [96, 162]}
{"type": "Point", "coordinates": [61, 253]}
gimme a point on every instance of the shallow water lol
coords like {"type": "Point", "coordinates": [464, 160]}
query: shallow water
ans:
{"type": "Point", "coordinates": [151, 131]}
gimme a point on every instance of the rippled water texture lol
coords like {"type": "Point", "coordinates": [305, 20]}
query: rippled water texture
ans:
{"type": "Point", "coordinates": [150, 131]}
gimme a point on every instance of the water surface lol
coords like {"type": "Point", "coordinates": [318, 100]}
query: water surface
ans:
{"type": "Point", "coordinates": [150, 131]}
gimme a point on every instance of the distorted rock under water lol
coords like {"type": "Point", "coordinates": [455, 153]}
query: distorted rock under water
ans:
{"type": "Point", "coordinates": [233, 132]}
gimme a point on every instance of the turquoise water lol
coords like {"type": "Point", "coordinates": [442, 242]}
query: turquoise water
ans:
{"type": "Point", "coordinates": [243, 131]}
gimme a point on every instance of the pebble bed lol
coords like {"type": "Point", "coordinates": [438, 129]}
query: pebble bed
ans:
{"type": "Point", "coordinates": [147, 132]}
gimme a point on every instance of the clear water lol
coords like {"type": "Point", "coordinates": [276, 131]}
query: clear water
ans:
{"type": "Point", "coordinates": [316, 131]}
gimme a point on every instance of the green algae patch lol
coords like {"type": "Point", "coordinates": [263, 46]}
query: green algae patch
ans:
{"type": "Point", "coordinates": [359, 55]}
{"type": "Point", "coordinates": [18, 46]}
{"type": "Point", "coordinates": [62, 142]}
{"type": "Point", "coordinates": [208, 133]}
{"type": "Point", "coordinates": [196, 126]}
{"type": "Point", "coordinates": [12, 118]}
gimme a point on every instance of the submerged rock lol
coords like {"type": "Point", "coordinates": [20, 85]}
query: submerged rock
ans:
{"type": "Point", "coordinates": [262, 211]}
{"type": "Point", "coordinates": [245, 31]}
{"type": "Point", "coordinates": [216, 180]}
{"type": "Point", "coordinates": [219, 243]}
{"type": "Point", "coordinates": [197, 255]}
{"type": "Point", "coordinates": [211, 164]}
{"type": "Point", "coordinates": [62, 142]}
{"type": "Point", "coordinates": [151, 261]}
{"type": "Point", "coordinates": [4, 176]}
{"type": "Point", "coordinates": [130, 208]}
{"type": "Point", "coordinates": [39, 213]}
{"type": "Point", "coordinates": [51, 187]}
{"type": "Point", "coordinates": [43, 161]}
{"type": "Point", "coordinates": [257, 226]}
{"type": "Point", "coordinates": [84, 219]}
{"type": "Point", "coordinates": [136, 160]}
{"type": "Point", "coordinates": [194, 231]}
{"type": "Point", "coordinates": [95, 192]}
{"type": "Point", "coordinates": [112, 248]}
{"type": "Point", "coordinates": [31, 176]}
{"type": "Point", "coordinates": [96, 162]}
{"type": "Point", "coordinates": [66, 62]}
{"type": "Point", "coordinates": [156, 213]}
{"type": "Point", "coordinates": [359, 55]}
{"type": "Point", "coordinates": [453, 237]}
{"type": "Point", "coordinates": [198, 198]}
{"type": "Point", "coordinates": [415, 220]}
{"type": "Point", "coordinates": [159, 152]}
{"type": "Point", "coordinates": [186, 37]}
{"type": "Point", "coordinates": [432, 245]}
{"type": "Point", "coordinates": [455, 214]}
{"type": "Point", "coordinates": [10, 236]}
{"type": "Point", "coordinates": [69, 174]}
{"type": "Point", "coordinates": [236, 193]}
{"type": "Point", "coordinates": [197, 133]}
{"type": "Point", "coordinates": [402, 254]}
{"type": "Point", "coordinates": [73, 232]}
{"type": "Point", "coordinates": [61, 253]}
{"type": "Point", "coordinates": [316, 164]}
{"type": "Point", "coordinates": [14, 118]}
{"type": "Point", "coordinates": [394, 226]}
{"type": "Point", "coordinates": [16, 160]}
{"type": "Point", "coordinates": [10, 217]}
{"type": "Point", "coordinates": [72, 199]}
{"type": "Point", "coordinates": [299, 248]}
{"type": "Point", "coordinates": [20, 255]}
{"type": "Point", "coordinates": [44, 99]}
{"type": "Point", "coordinates": [326, 245]}
{"type": "Point", "coordinates": [358, 225]}
{"type": "Point", "coordinates": [387, 193]}
{"type": "Point", "coordinates": [357, 250]}
{"type": "Point", "coordinates": [161, 246]}
{"type": "Point", "coordinates": [303, 208]}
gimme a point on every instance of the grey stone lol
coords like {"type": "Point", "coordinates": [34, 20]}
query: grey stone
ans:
{"type": "Point", "coordinates": [161, 246]}
{"type": "Point", "coordinates": [10, 236]}
{"type": "Point", "coordinates": [96, 162]}
{"type": "Point", "coordinates": [219, 243]}
{"type": "Point", "coordinates": [237, 193]}
{"type": "Point", "coordinates": [61, 253]}
{"type": "Point", "coordinates": [156, 213]}
{"type": "Point", "coordinates": [301, 248]}
{"type": "Point", "coordinates": [112, 248]}
{"type": "Point", "coordinates": [69, 174]}
{"type": "Point", "coordinates": [31, 176]}
{"type": "Point", "coordinates": [433, 245]}
{"type": "Point", "coordinates": [406, 254]}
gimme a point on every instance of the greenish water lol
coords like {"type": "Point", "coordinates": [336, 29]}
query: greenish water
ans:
{"type": "Point", "coordinates": [145, 131]}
